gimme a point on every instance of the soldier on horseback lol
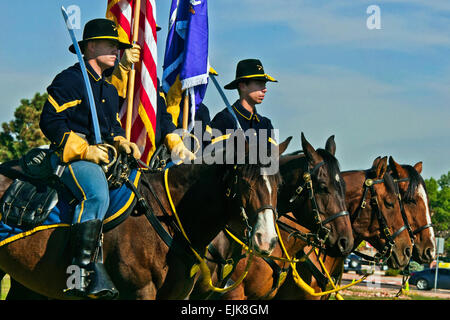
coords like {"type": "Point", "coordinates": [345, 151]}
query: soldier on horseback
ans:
{"type": "Point", "coordinates": [250, 82]}
{"type": "Point", "coordinates": [66, 122]}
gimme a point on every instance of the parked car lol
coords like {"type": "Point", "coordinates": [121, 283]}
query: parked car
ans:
{"type": "Point", "coordinates": [355, 263]}
{"type": "Point", "coordinates": [424, 280]}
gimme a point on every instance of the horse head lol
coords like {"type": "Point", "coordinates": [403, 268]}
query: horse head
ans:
{"type": "Point", "coordinates": [414, 198]}
{"type": "Point", "coordinates": [254, 195]}
{"type": "Point", "coordinates": [316, 195]}
{"type": "Point", "coordinates": [379, 220]}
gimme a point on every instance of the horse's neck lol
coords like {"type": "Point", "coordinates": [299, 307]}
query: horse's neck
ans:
{"type": "Point", "coordinates": [198, 200]}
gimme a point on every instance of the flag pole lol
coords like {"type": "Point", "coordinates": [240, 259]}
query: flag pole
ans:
{"type": "Point", "coordinates": [186, 110]}
{"type": "Point", "coordinates": [137, 14]}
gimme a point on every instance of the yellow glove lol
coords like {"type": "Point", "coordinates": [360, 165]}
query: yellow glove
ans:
{"type": "Point", "coordinates": [126, 146]}
{"type": "Point", "coordinates": [76, 148]}
{"type": "Point", "coordinates": [177, 148]}
{"type": "Point", "coordinates": [131, 56]}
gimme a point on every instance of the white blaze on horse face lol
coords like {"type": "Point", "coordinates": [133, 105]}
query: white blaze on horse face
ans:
{"type": "Point", "coordinates": [423, 196]}
{"type": "Point", "coordinates": [269, 187]}
{"type": "Point", "coordinates": [265, 235]}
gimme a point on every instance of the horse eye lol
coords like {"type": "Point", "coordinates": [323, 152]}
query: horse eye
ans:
{"type": "Point", "coordinates": [323, 188]}
{"type": "Point", "coordinates": [388, 203]}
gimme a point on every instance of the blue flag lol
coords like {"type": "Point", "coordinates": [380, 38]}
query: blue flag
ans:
{"type": "Point", "coordinates": [186, 64]}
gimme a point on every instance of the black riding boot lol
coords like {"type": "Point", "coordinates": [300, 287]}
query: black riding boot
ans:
{"type": "Point", "coordinates": [94, 281]}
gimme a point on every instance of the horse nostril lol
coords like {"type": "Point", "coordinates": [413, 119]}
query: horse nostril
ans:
{"type": "Point", "coordinates": [429, 254]}
{"type": "Point", "coordinates": [408, 252]}
{"type": "Point", "coordinates": [273, 243]}
{"type": "Point", "coordinates": [343, 244]}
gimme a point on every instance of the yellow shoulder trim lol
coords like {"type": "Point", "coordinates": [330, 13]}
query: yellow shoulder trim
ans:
{"type": "Point", "coordinates": [65, 106]}
{"type": "Point", "coordinates": [224, 137]}
{"type": "Point", "coordinates": [273, 141]}
{"type": "Point", "coordinates": [208, 129]}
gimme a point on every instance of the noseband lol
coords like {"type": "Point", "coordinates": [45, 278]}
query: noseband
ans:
{"type": "Point", "coordinates": [321, 230]}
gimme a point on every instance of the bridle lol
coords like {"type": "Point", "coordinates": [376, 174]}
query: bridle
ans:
{"type": "Point", "coordinates": [232, 191]}
{"type": "Point", "coordinates": [321, 231]}
{"type": "Point", "coordinates": [412, 233]}
{"type": "Point", "coordinates": [386, 251]}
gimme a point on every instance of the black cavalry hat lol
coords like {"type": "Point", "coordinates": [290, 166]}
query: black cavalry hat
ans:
{"type": "Point", "coordinates": [100, 29]}
{"type": "Point", "coordinates": [249, 69]}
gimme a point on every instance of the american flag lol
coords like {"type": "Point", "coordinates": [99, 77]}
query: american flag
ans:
{"type": "Point", "coordinates": [145, 88]}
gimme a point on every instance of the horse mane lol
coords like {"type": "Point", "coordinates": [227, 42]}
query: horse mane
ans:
{"type": "Point", "coordinates": [333, 168]}
{"type": "Point", "coordinates": [253, 171]}
{"type": "Point", "coordinates": [415, 179]}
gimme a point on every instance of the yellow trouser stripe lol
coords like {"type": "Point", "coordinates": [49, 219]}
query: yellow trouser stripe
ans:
{"type": "Point", "coordinates": [84, 195]}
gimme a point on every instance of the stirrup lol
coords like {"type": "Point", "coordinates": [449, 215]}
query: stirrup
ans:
{"type": "Point", "coordinates": [95, 283]}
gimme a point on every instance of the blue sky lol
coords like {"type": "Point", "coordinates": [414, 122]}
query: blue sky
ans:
{"type": "Point", "coordinates": [380, 92]}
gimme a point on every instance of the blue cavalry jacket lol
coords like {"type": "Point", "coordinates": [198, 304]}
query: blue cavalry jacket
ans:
{"type": "Point", "coordinates": [67, 107]}
{"type": "Point", "coordinates": [224, 120]}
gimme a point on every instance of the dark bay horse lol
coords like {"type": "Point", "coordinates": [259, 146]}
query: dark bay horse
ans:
{"type": "Point", "coordinates": [414, 197]}
{"type": "Point", "coordinates": [316, 206]}
{"type": "Point", "coordinates": [369, 218]}
{"type": "Point", "coordinates": [139, 262]}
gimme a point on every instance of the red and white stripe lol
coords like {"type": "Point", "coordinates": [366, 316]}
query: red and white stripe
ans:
{"type": "Point", "coordinates": [145, 91]}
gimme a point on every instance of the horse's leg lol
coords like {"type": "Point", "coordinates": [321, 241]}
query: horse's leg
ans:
{"type": "Point", "coordinates": [178, 284]}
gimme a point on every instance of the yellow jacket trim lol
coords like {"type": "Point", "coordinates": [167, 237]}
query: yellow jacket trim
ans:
{"type": "Point", "coordinates": [119, 79]}
{"type": "Point", "coordinates": [273, 141]}
{"type": "Point", "coordinates": [224, 137]}
{"type": "Point", "coordinates": [30, 232]}
{"type": "Point", "coordinates": [242, 114]}
{"type": "Point", "coordinates": [65, 106]}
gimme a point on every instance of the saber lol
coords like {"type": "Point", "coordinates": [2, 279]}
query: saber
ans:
{"type": "Point", "coordinates": [97, 135]}
{"type": "Point", "coordinates": [224, 98]}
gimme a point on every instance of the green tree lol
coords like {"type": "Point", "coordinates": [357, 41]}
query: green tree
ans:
{"type": "Point", "coordinates": [23, 133]}
{"type": "Point", "coordinates": [439, 197]}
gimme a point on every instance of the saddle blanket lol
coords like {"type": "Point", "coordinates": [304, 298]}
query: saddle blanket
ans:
{"type": "Point", "coordinates": [121, 199]}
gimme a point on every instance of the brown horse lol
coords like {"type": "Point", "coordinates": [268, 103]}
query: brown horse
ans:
{"type": "Point", "coordinates": [414, 198]}
{"type": "Point", "coordinates": [140, 263]}
{"type": "Point", "coordinates": [315, 206]}
{"type": "Point", "coordinates": [369, 218]}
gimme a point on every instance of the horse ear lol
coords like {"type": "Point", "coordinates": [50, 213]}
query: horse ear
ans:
{"type": "Point", "coordinates": [283, 146]}
{"type": "Point", "coordinates": [418, 167]}
{"type": "Point", "coordinates": [309, 151]}
{"type": "Point", "coordinates": [330, 145]}
{"type": "Point", "coordinates": [398, 169]}
{"type": "Point", "coordinates": [375, 162]}
{"type": "Point", "coordinates": [381, 167]}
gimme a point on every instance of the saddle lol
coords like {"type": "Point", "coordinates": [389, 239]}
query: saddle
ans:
{"type": "Point", "coordinates": [34, 192]}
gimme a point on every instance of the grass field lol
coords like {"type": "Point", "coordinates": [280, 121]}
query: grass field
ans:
{"type": "Point", "coordinates": [349, 294]}
{"type": "Point", "coordinates": [5, 287]}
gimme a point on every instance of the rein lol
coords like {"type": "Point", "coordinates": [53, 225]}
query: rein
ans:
{"type": "Point", "coordinates": [202, 266]}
